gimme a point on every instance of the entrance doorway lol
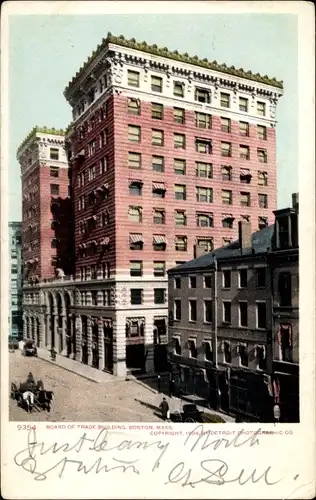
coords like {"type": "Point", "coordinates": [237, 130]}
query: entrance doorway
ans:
{"type": "Point", "coordinates": [135, 358]}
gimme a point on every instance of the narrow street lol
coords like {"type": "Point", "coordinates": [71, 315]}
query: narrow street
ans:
{"type": "Point", "coordinates": [79, 399]}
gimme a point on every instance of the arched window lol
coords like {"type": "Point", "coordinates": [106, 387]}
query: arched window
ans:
{"type": "Point", "coordinates": [285, 289]}
{"type": "Point", "coordinates": [176, 346]}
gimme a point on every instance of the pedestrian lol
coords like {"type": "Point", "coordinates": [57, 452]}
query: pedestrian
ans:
{"type": "Point", "coordinates": [164, 408]}
{"type": "Point", "coordinates": [30, 381]}
{"type": "Point", "coordinates": [158, 383]}
{"type": "Point", "coordinates": [172, 387]}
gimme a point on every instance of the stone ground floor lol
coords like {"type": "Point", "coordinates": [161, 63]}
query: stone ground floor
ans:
{"type": "Point", "coordinates": [117, 342]}
{"type": "Point", "coordinates": [79, 399]}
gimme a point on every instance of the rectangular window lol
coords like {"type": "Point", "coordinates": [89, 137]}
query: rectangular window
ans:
{"type": "Point", "coordinates": [177, 310]}
{"type": "Point", "coordinates": [159, 216]}
{"type": "Point", "coordinates": [177, 283]}
{"type": "Point", "coordinates": [179, 192]}
{"type": "Point", "coordinates": [225, 100]}
{"type": "Point", "coordinates": [156, 84]}
{"type": "Point", "coordinates": [159, 268]}
{"type": "Point", "coordinates": [135, 214]}
{"type": "Point", "coordinates": [263, 200]}
{"type": "Point", "coordinates": [204, 170]}
{"type": "Point", "coordinates": [228, 221]}
{"type": "Point", "coordinates": [92, 148]}
{"type": "Point", "coordinates": [227, 197]}
{"type": "Point", "coordinates": [202, 95]}
{"type": "Point", "coordinates": [133, 106]}
{"type": "Point", "coordinates": [156, 111]}
{"type": "Point", "coordinates": [133, 78]}
{"type": "Point", "coordinates": [243, 104]}
{"type": "Point", "coordinates": [158, 190]}
{"type": "Point", "coordinates": [179, 115]}
{"type": "Point", "coordinates": [54, 189]}
{"type": "Point", "coordinates": [103, 138]}
{"type": "Point", "coordinates": [54, 153]}
{"type": "Point", "coordinates": [180, 218]}
{"type": "Point", "coordinates": [136, 296]}
{"type": "Point", "coordinates": [204, 195]}
{"type": "Point", "coordinates": [244, 152]}
{"type": "Point", "coordinates": [261, 315]}
{"type": "Point", "coordinates": [159, 242]}
{"type": "Point", "coordinates": [226, 275]}
{"type": "Point", "coordinates": [245, 200]}
{"type": "Point", "coordinates": [225, 125]}
{"type": "Point", "coordinates": [244, 129]}
{"type": "Point", "coordinates": [204, 220]}
{"type": "Point", "coordinates": [54, 243]}
{"type": "Point", "coordinates": [207, 281]}
{"type": "Point", "coordinates": [242, 278]}
{"type": "Point", "coordinates": [178, 89]}
{"type": "Point", "coordinates": [243, 354]}
{"type": "Point", "coordinates": [179, 141]}
{"type": "Point", "coordinates": [136, 241]}
{"type": "Point", "coordinates": [158, 164]}
{"type": "Point", "coordinates": [226, 149]}
{"type": "Point", "coordinates": [134, 133]}
{"type": "Point", "coordinates": [208, 311]}
{"type": "Point", "coordinates": [135, 188]}
{"type": "Point", "coordinates": [134, 160]}
{"type": "Point", "coordinates": [243, 314]}
{"type": "Point", "coordinates": [227, 313]}
{"type": "Point", "coordinates": [262, 178]}
{"type": "Point", "coordinates": [261, 277]}
{"type": "Point", "coordinates": [192, 281]}
{"type": "Point", "coordinates": [203, 146]}
{"type": "Point", "coordinates": [262, 222]}
{"type": "Point", "coordinates": [262, 155]}
{"type": "Point", "coordinates": [226, 173]}
{"type": "Point", "coordinates": [192, 310]}
{"type": "Point", "coordinates": [103, 165]}
{"type": "Point", "coordinates": [262, 132]}
{"type": "Point", "coordinates": [181, 243]}
{"type": "Point", "coordinates": [261, 108]}
{"type": "Point", "coordinates": [179, 166]}
{"type": "Point", "coordinates": [202, 120]}
{"type": "Point", "coordinates": [159, 295]}
{"type": "Point", "coordinates": [157, 137]}
{"type": "Point", "coordinates": [206, 244]}
{"type": "Point", "coordinates": [54, 171]}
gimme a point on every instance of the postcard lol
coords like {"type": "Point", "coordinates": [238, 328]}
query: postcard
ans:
{"type": "Point", "coordinates": [157, 250]}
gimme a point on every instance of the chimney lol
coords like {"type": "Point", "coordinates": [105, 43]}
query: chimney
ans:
{"type": "Point", "coordinates": [295, 201]}
{"type": "Point", "coordinates": [244, 230]}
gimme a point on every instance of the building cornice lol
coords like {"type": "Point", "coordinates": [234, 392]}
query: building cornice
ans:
{"type": "Point", "coordinates": [168, 56]}
{"type": "Point", "coordinates": [32, 135]}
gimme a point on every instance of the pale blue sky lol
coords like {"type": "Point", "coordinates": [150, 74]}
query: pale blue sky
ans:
{"type": "Point", "coordinates": [46, 51]}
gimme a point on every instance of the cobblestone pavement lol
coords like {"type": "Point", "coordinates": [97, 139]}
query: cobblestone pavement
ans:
{"type": "Point", "coordinates": [79, 399]}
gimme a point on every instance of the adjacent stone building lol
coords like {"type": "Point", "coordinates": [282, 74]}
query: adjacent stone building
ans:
{"type": "Point", "coordinates": [233, 323]}
{"type": "Point", "coordinates": [15, 270]}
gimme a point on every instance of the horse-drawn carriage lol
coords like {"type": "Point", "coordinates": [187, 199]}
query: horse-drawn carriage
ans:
{"type": "Point", "coordinates": [189, 414]}
{"type": "Point", "coordinates": [32, 396]}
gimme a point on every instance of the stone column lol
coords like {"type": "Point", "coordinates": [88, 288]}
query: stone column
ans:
{"type": "Point", "coordinates": [101, 343]}
{"type": "Point", "coordinates": [56, 332]}
{"type": "Point", "coordinates": [73, 336]}
{"type": "Point", "coordinates": [48, 333]}
{"type": "Point", "coordinates": [119, 345]}
{"type": "Point", "coordinates": [63, 334]}
{"type": "Point", "coordinates": [24, 326]}
{"type": "Point", "coordinates": [41, 331]}
{"type": "Point", "coordinates": [149, 345]}
{"type": "Point", "coordinates": [78, 329]}
{"type": "Point", "coordinates": [89, 340]}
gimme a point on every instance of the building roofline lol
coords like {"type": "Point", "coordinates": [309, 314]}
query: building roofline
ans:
{"type": "Point", "coordinates": [42, 130]}
{"type": "Point", "coordinates": [165, 52]}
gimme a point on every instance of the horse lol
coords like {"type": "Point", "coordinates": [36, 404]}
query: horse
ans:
{"type": "Point", "coordinates": [45, 399]}
{"type": "Point", "coordinates": [28, 400]}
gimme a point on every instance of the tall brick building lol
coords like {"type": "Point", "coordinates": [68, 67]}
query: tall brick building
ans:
{"type": "Point", "coordinates": [167, 153]}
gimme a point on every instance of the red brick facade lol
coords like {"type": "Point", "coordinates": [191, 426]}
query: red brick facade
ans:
{"type": "Point", "coordinates": [114, 123]}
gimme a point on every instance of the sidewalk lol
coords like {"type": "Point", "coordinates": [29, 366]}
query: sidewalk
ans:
{"type": "Point", "coordinates": [80, 369]}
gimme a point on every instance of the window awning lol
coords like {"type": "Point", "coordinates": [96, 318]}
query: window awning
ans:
{"type": "Point", "coordinates": [159, 186]}
{"type": "Point", "coordinates": [93, 242]}
{"type": "Point", "coordinates": [105, 241]}
{"type": "Point", "coordinates": [136, 238]}
{"type": "Point", "coordinates": [228, 216]}
{"type": "Point", "coordinates": [135, 181]}
{"type": "Point", "coordinates": [245, 172]}
{"type": "Point", "coordinates": [159, 238]}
